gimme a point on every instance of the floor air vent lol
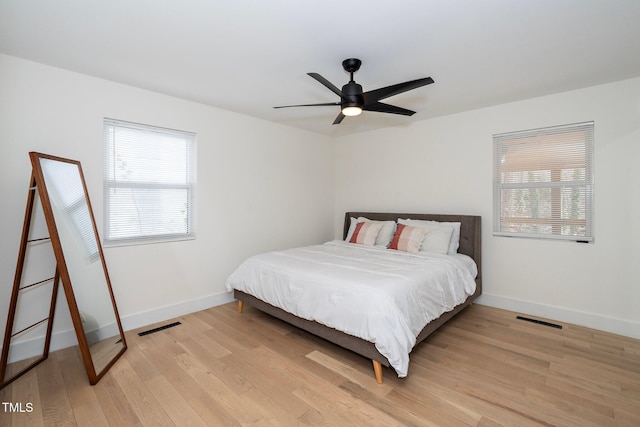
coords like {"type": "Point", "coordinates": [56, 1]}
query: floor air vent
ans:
{"type": "Point", "coordinates": [159, 328]}
{"type": "Point", "coordinates": [540, 322]}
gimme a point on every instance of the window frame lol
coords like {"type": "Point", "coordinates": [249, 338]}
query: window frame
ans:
{"type": "Point", "coordinates": [189, 186]}
{"type": "Point", "coordinates": [551, 137]}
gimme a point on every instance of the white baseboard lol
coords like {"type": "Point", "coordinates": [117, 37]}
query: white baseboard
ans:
{"type": "Point", "coordinates": [138, 320]}
{"type": "Point", "coordinates": [67, 338]}
{"type": "Point", "coordinates": [559, 314]}
{"type": "Point", "coordinates": [35, 347]}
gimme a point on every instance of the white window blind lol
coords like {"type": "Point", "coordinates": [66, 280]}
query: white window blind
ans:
{"type": "Point", "coordinates": [543, 183]}
{"type": "Point", "coordinates": [148, 183]}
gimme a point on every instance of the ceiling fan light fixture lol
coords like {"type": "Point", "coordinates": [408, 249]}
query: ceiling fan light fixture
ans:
{"type": "Point", "coordinates": [352, 111]}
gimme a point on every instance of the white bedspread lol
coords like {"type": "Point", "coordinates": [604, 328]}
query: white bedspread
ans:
{"type": "Point", "coordinates": [380, 295]}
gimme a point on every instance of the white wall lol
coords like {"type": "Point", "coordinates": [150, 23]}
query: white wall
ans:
{"type": "Point", "coordinates": [444, 165]}
{"type": "Point", "coordinates": [260, 186]}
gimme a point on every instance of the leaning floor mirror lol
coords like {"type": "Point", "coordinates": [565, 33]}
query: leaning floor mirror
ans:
{"type": "Point", "coordinates": [80, 266]}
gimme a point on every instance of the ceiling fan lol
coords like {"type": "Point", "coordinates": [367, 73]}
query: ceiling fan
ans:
{"type": "Point", "coordinates": [353, 100]}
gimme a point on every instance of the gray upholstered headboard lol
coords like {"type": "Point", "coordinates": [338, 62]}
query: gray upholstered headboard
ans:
{"type": "Point", "coordinates": [470, 230]}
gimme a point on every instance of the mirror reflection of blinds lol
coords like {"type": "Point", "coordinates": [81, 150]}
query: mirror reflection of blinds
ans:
{"type": "Point", "coordinates": [543, 183]}
{"type": "Point", "coordinates": [67, 194]}
{"type": "Point", "coordinates": [148, 183]}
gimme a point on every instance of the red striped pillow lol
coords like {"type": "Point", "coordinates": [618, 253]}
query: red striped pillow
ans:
{"type": "Point", "coordinates": [366, 233]}
{"type": "Point", "coordinates": [408, 238]}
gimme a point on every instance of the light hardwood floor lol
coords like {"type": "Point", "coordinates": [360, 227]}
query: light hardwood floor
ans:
{"type": "Point", "coordinates": [484, 368]}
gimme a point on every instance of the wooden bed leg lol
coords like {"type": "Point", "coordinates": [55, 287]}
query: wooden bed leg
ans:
{"type": "Point", "coordinates": [240, 306]}
{"type": "Point", "coordinates": [377, 369]}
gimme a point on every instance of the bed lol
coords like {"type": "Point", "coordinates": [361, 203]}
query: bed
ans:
{"type": "Point", "coordinates": [279, 284]}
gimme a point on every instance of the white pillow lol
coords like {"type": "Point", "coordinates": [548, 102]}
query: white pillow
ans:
{"type": "Point", "coordinates": [437, 239]}
{"type": "Point", "coordinates": [454, 242]}
{"type": "Point", "coordinates": [384, 236]}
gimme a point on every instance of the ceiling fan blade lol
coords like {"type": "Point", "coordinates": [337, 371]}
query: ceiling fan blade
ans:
{"type": "Point", "coordinates": [309, 105]}
{"type": "Point", "coordinates": [381, 107]}
{"type": "Point", "coordinates": [385, 92]}
{"type": "Point", "coordinates": [326, 83]}
{"type": "Point", "coordinates": [338, 119]}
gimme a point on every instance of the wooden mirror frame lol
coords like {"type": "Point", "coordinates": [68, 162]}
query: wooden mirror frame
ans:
{"type": "Point", "coordinates": [94, 372]}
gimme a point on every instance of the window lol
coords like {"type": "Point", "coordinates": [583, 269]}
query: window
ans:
{"type": "Point", "coordinates": [543, 183]}
{"type": "Point", "coordinates": [148, 183]}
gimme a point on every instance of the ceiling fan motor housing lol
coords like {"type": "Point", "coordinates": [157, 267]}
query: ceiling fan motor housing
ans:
{"type": "Point", "coordinates": [352, 91]}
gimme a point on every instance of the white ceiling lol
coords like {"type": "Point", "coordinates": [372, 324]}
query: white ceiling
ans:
{"type": "Point", "coordinates": [250, 55]}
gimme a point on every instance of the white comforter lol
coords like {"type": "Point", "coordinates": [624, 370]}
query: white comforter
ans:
{"type": "Point", "coordinates": [380, 295]}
